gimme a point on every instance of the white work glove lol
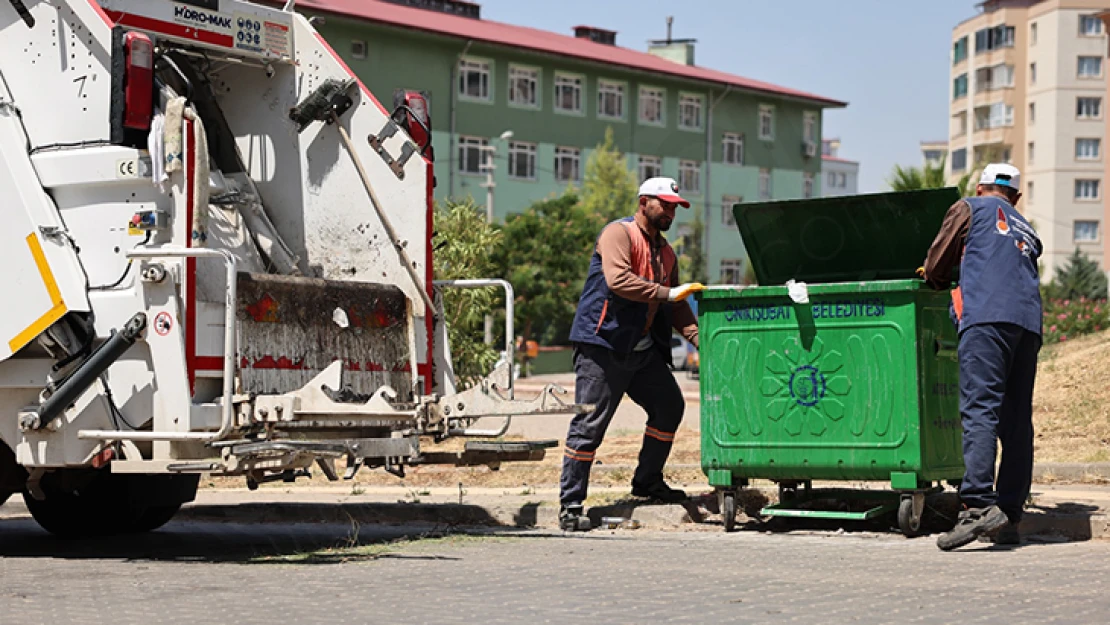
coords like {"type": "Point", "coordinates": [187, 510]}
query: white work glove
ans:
{"type": "Point", "coordinates": [683, 291]}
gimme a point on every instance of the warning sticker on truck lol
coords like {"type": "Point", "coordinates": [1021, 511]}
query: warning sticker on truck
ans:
{"type": "Point", "coordinates": [276, 38]}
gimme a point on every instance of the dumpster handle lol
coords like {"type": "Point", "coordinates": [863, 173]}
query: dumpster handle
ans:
{"type": "Point", "coordinates": [945, 349]}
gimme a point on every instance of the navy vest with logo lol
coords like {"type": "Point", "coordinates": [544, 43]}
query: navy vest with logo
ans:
{"type": "Point", "coordinates": [606, 319]}
{"type": "Point", "coordinates": [999, 281]}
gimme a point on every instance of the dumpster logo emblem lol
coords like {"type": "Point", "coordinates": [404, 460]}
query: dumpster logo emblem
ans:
{"type": "Point", "coordinates": [807, 385]}
{"type": "Point", "coordinates": [805, 388]}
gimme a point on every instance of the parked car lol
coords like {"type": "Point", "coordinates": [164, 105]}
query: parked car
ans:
{"type": "Point", "coordinates": [692, 362]}
{"type": "Point", "coordinates": [680, 350]}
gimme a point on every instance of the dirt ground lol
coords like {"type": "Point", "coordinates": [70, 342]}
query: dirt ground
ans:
{"type": "Point", "coordinates": [1071, 403]}
{"type": "Point", "coordinates": [1071, 417]}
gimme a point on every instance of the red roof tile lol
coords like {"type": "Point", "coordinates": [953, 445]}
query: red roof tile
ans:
{"type": "Point", "coordinates": [542, 41]}
{"type": "Point", "coordinates": [837, 159]}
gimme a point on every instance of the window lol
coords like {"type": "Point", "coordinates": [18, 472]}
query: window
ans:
{"type": "Point", "coordinates": [987, 39]}
{"type": "Point", "coordinates": [1029, 191]}
{"type": "Point", "coordinates": [474, 79]}
{"type": "Point", "coordinates": [1033, 34]}
{"type": "Point", "coordinates": [1088, 108]}
{"type": "Point", "coordinates": [689, 111]}
{"type": "Point", "coordinates": [809, 127]}
{"type": "Point", "coordinates": [610, 99]}
{"type": "Point", "coordinates": [959, 50]}
{"type": "Point", "coordinates": [730, 270]}
{"type": "Point", "coordinates": [650, 167]}
{"type": "Point", "coordinates": [1087, 149]}
{"type": "Point", "coordinates": [1090, 66]}
{"type": "Point", "coordinates": [1085, 231]}
{"type": "Point", "coordinates": [842, 180]}
{"type": "Point", "coordinates": [470, 154]}
{"type": "Point", "coordinates": [651, 106]}
{"type": "Point", "coordinates": [689, 176]}
{"type": "Point", "coordinates": [766, 122]}
{"type": "Point", "coordinates": [358, 49]}
{"type": "Point", "coordinates": [832, 179]}
{"type": "Point", "coordinates": [994, 77]}
{"type": "Point", "coordinates": [1029, 153]}
{"type": "Point", "coordinates": [765, 184]}
{"type": "Point", "coordinates": [959, 159]}
{"type": "Point", "coordinates": [1032, 73]}
{"type": "Point", "coordinates": [1086, 189]}
{"type": "Point", "coordinates": [524, 86]}
{"type": "Point", "coordinates": [1032, 113]}
{"type": "Point", "coordinates": [522, 160]}
{"type": "Point", "coordinates": [568, 93]}
{"type": "Point", "coordinates": [996, 115]}
{"type": "Point", "coordinates": [807, 185]}
{"type": "Point", "coordinates": [959, 124]}
{"type": "Point", "coordinates": [959, 87]}
{"type": "Point", "coordinates": [732, 148]}
{"type": "Point", "coordinates": [727, 202]}
{"type": "Point", "coordinates": [567, 164]}
{"type": "Point", "coordinates": [1090, 26]}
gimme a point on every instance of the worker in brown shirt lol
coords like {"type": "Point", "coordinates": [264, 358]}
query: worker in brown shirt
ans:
{"type": "Point", "coordinates": [630, 303]}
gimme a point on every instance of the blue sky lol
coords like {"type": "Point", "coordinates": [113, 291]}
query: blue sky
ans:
{"type": "Point", "coordinates": [888, 60]}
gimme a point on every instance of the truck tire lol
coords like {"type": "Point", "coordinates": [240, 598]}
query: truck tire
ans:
{"type": "Point", "coordinates": [154, 517]}
{"type": "Point", "coordinates": [87, 503]}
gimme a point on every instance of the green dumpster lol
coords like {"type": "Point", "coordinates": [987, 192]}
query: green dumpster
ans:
{"type": "Point", "coordinates": [859, 383]}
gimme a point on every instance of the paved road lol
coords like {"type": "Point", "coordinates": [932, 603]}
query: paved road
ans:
{"type": "Point", "coordinates": [210, 573]}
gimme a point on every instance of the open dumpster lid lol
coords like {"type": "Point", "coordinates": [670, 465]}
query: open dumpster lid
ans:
{"type": "Point", "coordinates": [877, 236]}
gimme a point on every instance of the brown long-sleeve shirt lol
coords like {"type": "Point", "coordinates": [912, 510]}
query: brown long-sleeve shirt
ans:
{"type": "Point", "coordinates": [615, 248]}
{"type": "Point", "coordinates": [947, 249]}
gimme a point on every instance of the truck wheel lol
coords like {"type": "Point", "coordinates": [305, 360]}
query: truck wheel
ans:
{"type": "Point", "coordinates": [154, 517]}
{"type": "Point", "coordinates": [77, 515]}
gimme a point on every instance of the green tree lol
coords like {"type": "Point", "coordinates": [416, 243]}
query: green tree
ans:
{"type": "Point", "coordinates": [609, 187]}
{"type": "Point", "coordinates": [1081, 277]}
{"type": "Point", "coordinates": [463, 242]}
{"type": "Point", "coordinates": [927, 177]}
{"type": "Point", "coordinates": [691, 252]}
{"type": "Point", "coordinates": [545, 255]}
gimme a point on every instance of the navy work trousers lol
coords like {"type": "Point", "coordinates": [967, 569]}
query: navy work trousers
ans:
{"type": "Point", "coordinates": [998, 364]}
{"type": "Point", "coordinates": [603, 379]}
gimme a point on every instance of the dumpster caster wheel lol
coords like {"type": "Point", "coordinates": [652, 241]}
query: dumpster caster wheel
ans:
{"type": "Point", "coordinates": [909, 522]}
{"type": "Point", "coordinates": [728, 509]}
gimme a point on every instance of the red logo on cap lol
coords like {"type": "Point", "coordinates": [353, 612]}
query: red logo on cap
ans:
{"type": "Point", "coordinates": [674, 187]}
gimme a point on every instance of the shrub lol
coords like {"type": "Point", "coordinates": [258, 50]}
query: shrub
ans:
{"type": "Point", "coordinates": [1066, 319]}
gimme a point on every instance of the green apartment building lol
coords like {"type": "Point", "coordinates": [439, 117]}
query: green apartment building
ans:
{"type": "Point", "coordinates": [724, 138]}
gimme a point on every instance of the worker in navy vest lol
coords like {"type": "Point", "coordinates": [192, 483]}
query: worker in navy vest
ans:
{"type": "Point", "coordinates": [997, 307]}
{"type": "Point", "coordinates": [622, 335]}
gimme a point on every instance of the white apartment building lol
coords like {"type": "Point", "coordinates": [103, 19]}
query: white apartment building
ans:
{"type": "Point", "coordinates": [1029, 88]}
{"type": "Point", "coordinates": [840, 176]}
{"type": "Point", "coordinates": [933, 153]}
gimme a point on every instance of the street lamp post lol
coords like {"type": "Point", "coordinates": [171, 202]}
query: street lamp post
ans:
{"type": "Point", "coordinates": [489, 166]}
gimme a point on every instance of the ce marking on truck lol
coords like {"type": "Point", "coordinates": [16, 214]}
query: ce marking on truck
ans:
{"type": "Point", "coordinates": [133, 167]}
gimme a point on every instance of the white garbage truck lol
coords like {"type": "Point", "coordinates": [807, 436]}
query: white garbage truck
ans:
{"type": "Point", "coordinates": [216, 256]}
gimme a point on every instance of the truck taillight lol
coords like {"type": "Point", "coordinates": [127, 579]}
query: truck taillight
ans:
{"type": "Point", "coordinates": [412, 112]}
{"type": "Point", "coordinates": [138, 81]}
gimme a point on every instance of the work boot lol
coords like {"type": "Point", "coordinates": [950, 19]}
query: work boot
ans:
{"type": "Point", "coordinates": [572, 518]}
{"type": "Point", "coordinates": [659, 491]}
{"type": "Point", "coordinates": [972, 523]}
{"type": "Point", "coordinates": [1006, 535]}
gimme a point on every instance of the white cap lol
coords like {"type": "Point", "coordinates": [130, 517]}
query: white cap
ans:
{"type": "Point", "coordinates": [665, 189]}
{"type": "Point", "coordinates": [1001, 174]}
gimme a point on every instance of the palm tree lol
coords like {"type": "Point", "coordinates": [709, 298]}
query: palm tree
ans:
{"type": "Point", "coordinates": [927, 177]}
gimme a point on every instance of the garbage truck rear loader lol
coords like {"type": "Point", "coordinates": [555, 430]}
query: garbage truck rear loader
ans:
{"type": "Point", "coordinates": [215, 244]}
